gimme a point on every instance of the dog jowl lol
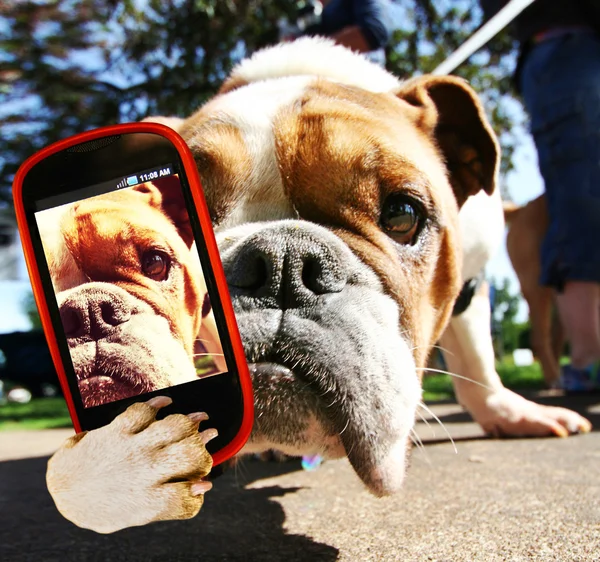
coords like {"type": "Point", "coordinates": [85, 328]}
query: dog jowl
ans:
{"type": "Point", "coordinates": [335, 194]}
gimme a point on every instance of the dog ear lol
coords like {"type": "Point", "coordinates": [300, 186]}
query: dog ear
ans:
{"type": "Point", "coordinates": [448, 109]}
{"type": "Point", "coordinates": [166, 195]}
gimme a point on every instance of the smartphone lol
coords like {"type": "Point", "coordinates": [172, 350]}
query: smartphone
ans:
{"type": "Point", "coordinates": [128, 280]}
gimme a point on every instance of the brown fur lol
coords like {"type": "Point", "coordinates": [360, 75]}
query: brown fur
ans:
{"type": "Point", "coordinates": [527, 227]}
{"type": "Point", "coordinates": [223, 162]}
{"type": "Point", "coordinates": [326, 138]}
{"type": "Point", "coordinates": [98, 233]}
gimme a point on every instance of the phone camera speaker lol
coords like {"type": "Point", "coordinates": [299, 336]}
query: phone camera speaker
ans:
{"type": "Point", "coordinates": [97, 144]}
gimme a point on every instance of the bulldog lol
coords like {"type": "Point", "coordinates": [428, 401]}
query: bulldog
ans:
{"type": "Point", "coordinates": [129, 287]}
{"type": "Point", "coordinates": [349, 207]}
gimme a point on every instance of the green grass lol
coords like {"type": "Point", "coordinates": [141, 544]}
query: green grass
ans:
{"type": "Point", "coordinates": [40, 413]}
{"type": "Point", "coordinates": [46, 413]}
{"type": "Point", "coordinates": [438, 387]}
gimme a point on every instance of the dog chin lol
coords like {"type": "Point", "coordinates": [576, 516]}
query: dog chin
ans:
{"type": "Point", "coordinates": [120, 367]}
{"type": "Point", "coordinates": [100, 388]}
{"type": "Point", "coordinates": [294, 418]}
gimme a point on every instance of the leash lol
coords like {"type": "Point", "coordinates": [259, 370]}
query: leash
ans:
{"type": "Point", "coordinates": [482, 35]}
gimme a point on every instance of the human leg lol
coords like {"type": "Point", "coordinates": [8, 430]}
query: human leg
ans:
{"type": "Point", "coordinates": [561, 87]}
{"type": "Point", "coordinates": [579, 309]}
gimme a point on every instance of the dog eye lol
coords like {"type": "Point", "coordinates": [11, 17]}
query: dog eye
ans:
{"type": "Point", "coordinates": [400, 218]}
{"type": "Point", "coordinates": [156, 265]}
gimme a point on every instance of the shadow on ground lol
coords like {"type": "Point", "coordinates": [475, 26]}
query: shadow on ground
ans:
{"type": "Point", "coordinates": [494, 500]}
{"type": "Point", "coordinates": [233, 525]}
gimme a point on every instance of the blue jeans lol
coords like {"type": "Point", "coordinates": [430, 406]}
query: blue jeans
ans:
{"type": "Point", "coordinates": [560, 82]}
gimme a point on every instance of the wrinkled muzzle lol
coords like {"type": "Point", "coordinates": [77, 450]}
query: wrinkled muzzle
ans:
{"type": "Point", "coordinates": [332, 372]}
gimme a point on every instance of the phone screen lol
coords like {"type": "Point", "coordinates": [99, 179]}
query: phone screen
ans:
{"type": "Point", "coordinates": [129, 285]}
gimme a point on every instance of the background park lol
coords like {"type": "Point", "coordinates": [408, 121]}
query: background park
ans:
{"type": "Point", "coordinates": [71, 65]}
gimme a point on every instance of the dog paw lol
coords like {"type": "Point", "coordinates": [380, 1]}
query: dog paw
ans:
{"type": "Point", "coordinates": [507, 414]}
{"type": "Point", "coordinates": [133, 471]}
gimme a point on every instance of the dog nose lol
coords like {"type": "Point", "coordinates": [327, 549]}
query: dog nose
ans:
{"type": "Point", "coordinates": [93, 313]}
{"type": "Point", "coordinates": [289, 265]}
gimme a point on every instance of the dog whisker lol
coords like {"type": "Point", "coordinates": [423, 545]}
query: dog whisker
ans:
{"type": "Point", "coordinates": [345, 427]}
{"type": "Point", "coordinates": [443, 349]}
{"type": "Point", "coordinates": [418, 442]}
{"type": "Point", "coordinates": [432, 414]}
{"type": "Point", "coordinates": [349, 451]}
{"type": "Point", "coordinates": [433, 346]}
{"type": "Point", "coordinates": [240, 472]}
{"type": "Point", "coordinates": [429, 369]}
{"type": "Point", "coordinates": [426, 422]}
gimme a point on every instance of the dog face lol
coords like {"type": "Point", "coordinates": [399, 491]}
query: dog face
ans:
{"type": "Point", "coordinates": [130, 289]}
{"type": "Point", "coordinates": [335, 192]}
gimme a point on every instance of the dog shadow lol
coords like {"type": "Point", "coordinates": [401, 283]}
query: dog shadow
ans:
{"type": "Point", "coordinates": [234, 524]}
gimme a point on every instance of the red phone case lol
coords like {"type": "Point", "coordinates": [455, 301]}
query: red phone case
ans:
{"type": "Point", "coordinates": [198, 196]}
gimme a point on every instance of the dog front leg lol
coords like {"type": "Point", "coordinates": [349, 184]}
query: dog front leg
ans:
{"type": "Point", "coordinates": [468, 352]}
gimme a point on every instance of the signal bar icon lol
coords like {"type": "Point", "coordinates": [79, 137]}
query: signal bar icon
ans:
{"type": "Point", "coordinates": [128, 182]}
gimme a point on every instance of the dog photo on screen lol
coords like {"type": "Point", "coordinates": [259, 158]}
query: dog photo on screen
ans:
{"type": "Point", "coordinates": [131, 292]}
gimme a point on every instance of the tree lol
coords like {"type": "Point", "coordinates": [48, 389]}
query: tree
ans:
{"type": "Point", "coordinates": [47, 89]}
{"type": "Point", "coordinates": [31, 311]}
{"type": "Point", "coordinates": [71, 65]}
{"type": "Point", "coordinates": [438, 28]}
{"type": "Point", "coordinates": [507, 331]}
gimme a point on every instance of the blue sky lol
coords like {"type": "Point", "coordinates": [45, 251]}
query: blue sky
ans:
{"type": "Point", "coordinates": [12, 294]}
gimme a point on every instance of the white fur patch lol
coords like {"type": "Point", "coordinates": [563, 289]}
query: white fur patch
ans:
{"type": "Point", "coordinates": [316, 56]}
{"type": "Point", "coordinates": [252, 110]}
{"type": "Point", "coordinates": [482, 231]}
{"type": "Point", "coordinates": [64, 270]}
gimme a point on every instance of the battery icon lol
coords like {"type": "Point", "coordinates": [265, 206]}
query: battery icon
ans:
{"type": "Point", "coordinates": [132, 180]}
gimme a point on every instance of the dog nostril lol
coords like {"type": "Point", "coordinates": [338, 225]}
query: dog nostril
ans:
{"type": "Point", "coordinates": [310, 275]}
{"type": "Point", "coordinates": [251, 274]}
{"type": "Point", "coordinates": [72, 322]}
{"type": "Point", "coordinates": [113, 315]}
{"type": "Point", "coordinates": [320, 278]}
{"type": "Point", "coordinates": [105, 314]}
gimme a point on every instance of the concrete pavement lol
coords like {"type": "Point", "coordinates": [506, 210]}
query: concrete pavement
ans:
{"type": "Point", "coordinates": [494, 500]}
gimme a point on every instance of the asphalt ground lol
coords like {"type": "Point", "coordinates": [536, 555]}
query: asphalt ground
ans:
{"type": "Point", "coordinates": [492, 500]}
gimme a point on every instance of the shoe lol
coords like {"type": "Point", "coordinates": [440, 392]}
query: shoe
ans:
{"type": "Point", "coordinates": [580, 380]}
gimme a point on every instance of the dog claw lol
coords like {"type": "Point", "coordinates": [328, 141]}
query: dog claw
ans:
{"type": "Point", "coordinates": [198, 417]}
{"type": "Point", "coordinates": [581, 427]}
{"type": "Point", "coordinates": [200, 487]}
{"type": "Point", "coordinates": [208, 434]}
{"type": "Point", "coordinates": [159, 402]}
